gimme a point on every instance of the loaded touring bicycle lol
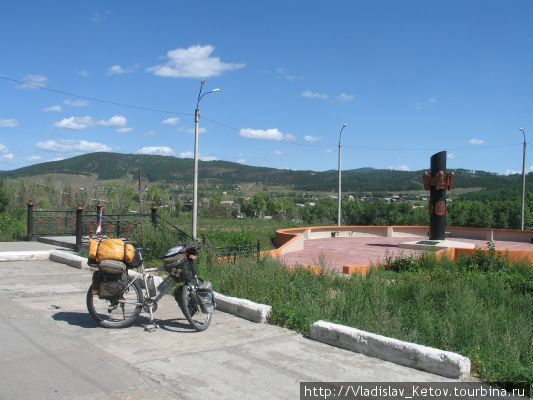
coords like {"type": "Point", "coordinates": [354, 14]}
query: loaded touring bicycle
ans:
{"type": "Point", "coordinates": [118, 294]}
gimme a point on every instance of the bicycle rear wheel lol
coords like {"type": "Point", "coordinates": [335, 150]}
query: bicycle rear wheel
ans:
{"type": "Point", "coordinates": [192, 311]}
{"type": "Point", "coordinates": [117, 313]}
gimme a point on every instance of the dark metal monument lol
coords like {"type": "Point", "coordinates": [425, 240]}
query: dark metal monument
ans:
{"type": "Point", "coordinates": [437, 181]}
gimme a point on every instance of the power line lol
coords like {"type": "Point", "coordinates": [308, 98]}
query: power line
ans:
{"type": "Point", "coordinates": [97, 100]}
{"type": "Point", "coordinates": [143, 108]}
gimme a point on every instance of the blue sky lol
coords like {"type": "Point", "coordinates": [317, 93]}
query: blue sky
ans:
{"type": "Point", "coordinates": [410, 78]}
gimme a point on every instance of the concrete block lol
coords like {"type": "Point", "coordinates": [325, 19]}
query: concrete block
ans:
{"type": "Point", "coordinates": [68, 258]}
{"type": "Point", "coordinates": [24, 255]}
{"type": "Point", "coordinates": [243, 308]}
{"type": "Point", "coordinates": [435, 361]}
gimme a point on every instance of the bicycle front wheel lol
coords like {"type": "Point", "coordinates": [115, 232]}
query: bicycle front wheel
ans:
{"type": "Point", "coordinates": [192, 311]}
{"type": "Point", "coordinates": [117, 313]}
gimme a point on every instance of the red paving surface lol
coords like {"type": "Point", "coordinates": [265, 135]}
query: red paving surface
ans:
{"type": "Point", "coordinates": [369, 250]}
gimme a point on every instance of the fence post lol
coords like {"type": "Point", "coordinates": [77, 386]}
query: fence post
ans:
{"type": "Point", "coordinates": [29, 222]}
{"type": "Point", "coordinates": [79, 226]}
{"type": "Point", "coordinates": [258, 250]}
{"type": "Point", "coordinates": [154, 214]}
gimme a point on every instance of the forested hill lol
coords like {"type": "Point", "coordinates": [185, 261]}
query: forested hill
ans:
{"type": "Point", "coordinates": [171, 169]}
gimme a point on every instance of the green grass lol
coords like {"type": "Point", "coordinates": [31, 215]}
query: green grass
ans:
{"type": "Point", "coordinates": [483, 312]}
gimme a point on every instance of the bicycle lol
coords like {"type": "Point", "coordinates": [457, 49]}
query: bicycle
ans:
{"type": "Point", "coordinates": [116, 298]}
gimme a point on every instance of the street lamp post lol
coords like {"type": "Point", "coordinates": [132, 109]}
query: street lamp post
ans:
{"type": "Point", "coordinates": [523, 176]}
{"type": "Point", "coordinates": [339, 211]}
{"type": "Point", "coordinates": [195, 182]}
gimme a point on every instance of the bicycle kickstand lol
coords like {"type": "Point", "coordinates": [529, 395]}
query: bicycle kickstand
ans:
{"type": "Point", "coordinates": [152, 325]}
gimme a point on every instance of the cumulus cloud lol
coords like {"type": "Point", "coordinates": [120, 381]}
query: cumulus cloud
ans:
{"type": "Point", "coordinates": [241, 161]}
{"type": "Point", "coordinates": [402, 167]}
{"type": "Point", "coordinates": [8, 123]}
{"type": "Point", "coordinates": [202, 157]}
{"type": "Point", "coordinates": [34, 158]}
{"type": "Point", "coordinates": [345, 97]}
{"type": "Point", "coordinates": [115, 120]}
{"type": "Point", "coordinates": [511, 172]}
{"type": "Point", "coordinates": [476, 141]}
{"type": "Point", "coordinates": [76, 103]}
{"type": "Point", "coordinates": [75, 123]}
{"type": "Point", "coordinates": [311, 138]}
{"type": "Point", "coordinates": [170, 121]}
{"type": "Point", "coordinates": [5, 154]}
{"type": "Point", "coordinates": [156, 150]}
{"type": "Point", "coordinates": [192, 62]}
{"type": "Point", "coordinates": [314, 95]}
{"type": "Point", "coordinates": [34, 82]}
{"type": "Point", "coordinates": [451, 156]}
{"type": "Point", "coordinates": [57, 108]}
{"type": "Point", "coordinates": [124, 130]}
{"type": "Point", "coordinates": [71, 146]}
{"type": "Point", "coordinates": [267, 134]}
{"type": "Point", "coordinates": [277, 153]}
{"type": "Point", "coordinates": [120, 70]}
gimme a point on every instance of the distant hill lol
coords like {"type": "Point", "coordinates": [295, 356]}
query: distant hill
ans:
{"type": "Point", "coordinates": [170, 169]}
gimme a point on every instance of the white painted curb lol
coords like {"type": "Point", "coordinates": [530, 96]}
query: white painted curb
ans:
{"type": "Point", "coordinates": [439, 362]}
{"type": "Point", "coordinates": [73, 260]}
{"type": "Point", "coordinates": [243, 308]}
{"type": "Point", "coordinates": [24, 255]}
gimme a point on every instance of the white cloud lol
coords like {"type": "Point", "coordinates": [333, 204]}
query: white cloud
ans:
{"type": "Point", "coordinates": [5, 154]}
{"type": "Point", "coordinates": [345, 97]}
{"type": "Point", "coordinates": [191, 130]}
{"type": "Point", "coordinates": [314, 95]}
{"type": "Point", "coordinates": [329, 151]}
{"type": "Point", "coordinates": [190, 154]}
{"type": "Point", "coordinates": [75, 123]}
{"type": "Point", "coordinates": [267, 134]}
{"type": "Point", "coordinates": [124, 130]}
{"type": "Point", "coordinates": [264, 134]}
{"type": "Point", "coordinates": [170, 121]}
{"type": "Point", "coordinates": [71, 146]}
{"type": "Point", "coordinates": [34, 158]}
{"type": "Point", "coordinates": [241, 161]}
{"type": "Point", "coordinates": [311, 138]}
{"type": "Point", "coordinates": [476, 141]}
{"type": "Point", "coordinates": [57, 108]}
{"type": "Point", "coordinates": [120, 70]}
{"type": "Point", "coordinates": [277, 153]}
{"type": "Point", "coordinates": [76, 103]}
{"type": "Point", "coordinates": [84, 73]}
{"type": "Point", "coordinates": [156, 150]}
{"type": "Point", "coordinates": [192, 62]}
{"type": "Point", "coordinates": [402, 167]}
{"type": "Point", "coordinates": [186, 154]}
{"type": "Point", "coordinates": [115, 120]}
{"type": "Point", "coordinates": [451, 156]}
{"type": "Point", "coordinates": [149, 133]}
{"type": "Point", "coordinates": [36, 81]}
{"type": "Point", "coordinates": [8, 123]}
{"type": "Point", "coordinates": [511, 172]}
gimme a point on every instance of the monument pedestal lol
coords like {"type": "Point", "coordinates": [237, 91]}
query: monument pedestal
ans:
{"type": "Point", "coordinates": [434, 245]}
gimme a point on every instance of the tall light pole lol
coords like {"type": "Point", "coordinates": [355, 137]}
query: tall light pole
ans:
{"type": "Point", "coordinates": [523, 176]}
{"type": "Point", "coordinates": [195, 182]}
{"type": "Point", "coordinates": [339, 211]}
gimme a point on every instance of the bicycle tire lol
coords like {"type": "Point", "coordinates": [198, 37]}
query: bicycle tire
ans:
{"type": "Point", "coordinates": [190, 310]}
{"type": "Point", "coordinates": [115, 324]}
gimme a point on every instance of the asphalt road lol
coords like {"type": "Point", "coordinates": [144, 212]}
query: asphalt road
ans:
{"type": "Point", "coordinates": [51, 349]}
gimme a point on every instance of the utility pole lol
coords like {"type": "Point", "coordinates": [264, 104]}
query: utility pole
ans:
{"type": "Point", "coordinates": [195, 181]}
{"type": "Point", "coordinates": [523, 177]}
{"type": "Point", "coordinates": [339, 201]}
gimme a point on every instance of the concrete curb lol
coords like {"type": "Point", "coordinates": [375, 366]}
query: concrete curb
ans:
{"type": "Point", "coordinates": [24, 255]}
{"type": "Point", "coordinates": [70, 259]}
{"type": "Point", "coordinates": [243, 308]}
{"type": "Point", "coordinates": [435, 361]}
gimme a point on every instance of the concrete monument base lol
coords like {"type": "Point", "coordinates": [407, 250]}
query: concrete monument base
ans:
{"type": "Point", "coordinates": [435, 245]}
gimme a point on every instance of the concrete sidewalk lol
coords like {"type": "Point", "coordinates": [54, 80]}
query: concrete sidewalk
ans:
{"type": "Point", "coordinates": [51, 349]}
